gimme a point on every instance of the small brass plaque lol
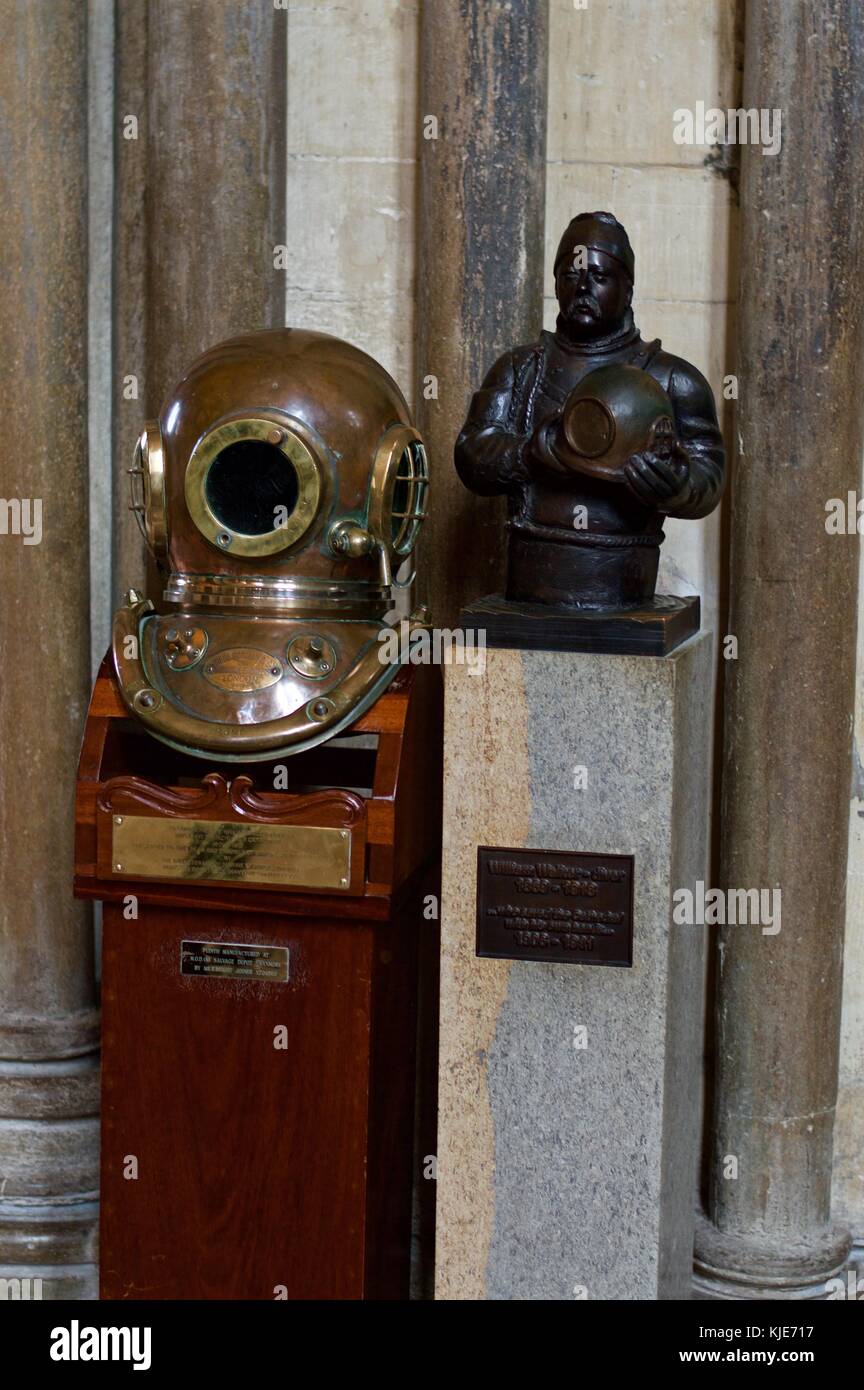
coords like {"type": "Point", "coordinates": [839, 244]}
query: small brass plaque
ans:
{"type": "Point", "coordinates": [307, 856]}
{"type": "Point", "coordinates": [555, 905]}
{"type": "Point", "coordinates": [242, 669]}
{"type": "Point", "coordinates": [234, 961]}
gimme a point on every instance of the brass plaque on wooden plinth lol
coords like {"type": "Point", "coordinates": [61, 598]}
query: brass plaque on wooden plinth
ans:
{"type": "Point", "coordinates": [555, 905]}
{"type": "Point", "coordinates": [233, 960]}
{"type": "Point", "coordinates": [293, 856]}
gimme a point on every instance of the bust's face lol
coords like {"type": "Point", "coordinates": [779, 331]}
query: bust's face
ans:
{"type": "Point", "coordinates": [593, 298]}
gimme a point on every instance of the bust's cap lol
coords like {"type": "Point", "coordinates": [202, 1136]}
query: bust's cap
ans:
{"type": "Point", "coordinates": [601, 232]}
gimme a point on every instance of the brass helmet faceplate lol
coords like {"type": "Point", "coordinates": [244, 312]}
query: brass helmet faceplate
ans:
{"type": "Point", "coordinates": [283, 487]}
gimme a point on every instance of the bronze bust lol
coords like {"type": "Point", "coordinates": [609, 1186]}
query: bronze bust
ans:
{"type": "Point", "coordinates": [594, 435]}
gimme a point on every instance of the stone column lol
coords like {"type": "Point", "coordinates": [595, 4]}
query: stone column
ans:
{"type": "Point", "coordinates": [787, 754]}
{"type": "Point", "coordinates": [480, 270]}
{"type": "Point", "coordinates": [49, 1026]}
{"type": "Point", "coordinates": [129, 279]}
{"type": "Point", "coordinates": [200, 201]}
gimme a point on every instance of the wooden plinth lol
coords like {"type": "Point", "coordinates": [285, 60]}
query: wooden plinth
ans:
{"type": "Point", "coordinates": [233, 1166]}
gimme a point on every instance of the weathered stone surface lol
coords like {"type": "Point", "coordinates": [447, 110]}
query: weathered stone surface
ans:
{"type": "Point", "coordinates": [199, 204]}
{"type": "Point", "coordinates": [352, 169]}
{"type": "Point", "coordinates": [787, 752]}
{"type": "Point", "coordinates": [618, 73]}
{"type": "Point", "coordinates": [128, 350]}
{"type": "Point", "coordinates": [352, 255]}
{"type": "Point", "coordinates": [848, 1182]}
{"type": "Point", "coordinates": [562, 1167]}
{"type": "Point", "coordinates": [480, 270]}
{"type": "Point", "coordinates": [479, 809]}
{"type": "Point", "coordinates": [354, 80]}
{"type": "Point", "coordinates": [848, 1179]}
{"type": "Point", "coordinates": [48, 1022]}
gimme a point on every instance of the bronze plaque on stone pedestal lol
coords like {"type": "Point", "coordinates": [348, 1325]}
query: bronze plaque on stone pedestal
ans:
{"type": "Point", "coordinates": [555, 905]}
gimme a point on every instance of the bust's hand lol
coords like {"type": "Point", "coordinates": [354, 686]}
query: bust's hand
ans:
{"type": "Point", "coordinates": [549, 447]}
{"type": "Point", "coordinates": [658, 473]}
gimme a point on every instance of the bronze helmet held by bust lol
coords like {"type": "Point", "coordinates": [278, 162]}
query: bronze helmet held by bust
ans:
{"type": "Point", "coordinates": [613, 413]}
{"type": "Point", "coordinates": [284, 486]}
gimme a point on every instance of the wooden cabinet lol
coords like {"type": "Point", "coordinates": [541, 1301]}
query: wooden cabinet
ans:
{"type": "Point", "coordinates": [264, 1137]}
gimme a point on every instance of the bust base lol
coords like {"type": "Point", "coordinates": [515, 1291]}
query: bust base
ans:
{"type": "Point", "coordinates": [567, 1165]}
{"type": "Point", "coordinates": [654, 628]}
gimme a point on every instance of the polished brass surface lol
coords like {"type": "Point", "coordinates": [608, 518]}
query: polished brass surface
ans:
{"type": "Point", "coordinates": [146, 699]}
{"type": "Point", "coordinates": [186, 711]}
{"type": "Point", "coordinates": [247, 676]}
{"type": "Point", "coordinates": [319, 709]}
{"type": "Point", "coordinates": [299, 455]}
{"type": "Point", "coordinates": [184, 647]}
{"type": "Point", "coordinates": [299, 856]}
{"type": "Point", "coordinates": [149, 465]}
{"type": "Point", "coordinates": [155, 517]}
{"type": "Point", "coordinates": [258, 593]}
{"type": "Point", "coordinates": [242, 669]}
{"type": "Point", "coordinates": [400, 458]}
{"type": "Point", "coordinates": [332, 396]}
{"type": "Point", "coordinates": [347, 538]}
{"type": "Point", "coordinates": [284, 486]}
{"type": "Point", "coordinates": [312, 656]}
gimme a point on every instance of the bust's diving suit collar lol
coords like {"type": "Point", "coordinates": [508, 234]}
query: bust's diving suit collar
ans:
{"type": "Point", "coordinates": [625, 335]}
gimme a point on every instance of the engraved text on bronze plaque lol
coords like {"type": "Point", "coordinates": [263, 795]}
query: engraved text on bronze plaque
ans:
{"type": "Point", "coordinates": [555, 905]}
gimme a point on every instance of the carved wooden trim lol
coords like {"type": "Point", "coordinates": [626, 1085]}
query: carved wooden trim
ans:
{"type": "Point", "coordinates": [122, 793]}
{"type": "Point", "coordinates": [219, 801]}
{"type": "Point", "coordinates": [218, 797]}
{"type": "Point", "coordinates": [275, 806]}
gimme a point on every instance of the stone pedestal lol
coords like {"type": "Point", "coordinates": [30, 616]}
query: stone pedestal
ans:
{"type": "Point", "coordinates": [567, 1151]}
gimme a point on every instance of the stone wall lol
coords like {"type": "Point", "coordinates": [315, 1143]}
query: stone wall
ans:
{"type": "Point", "coordinates": [618, 72]}
{"type": "Point", "coordinates": [352, 146]}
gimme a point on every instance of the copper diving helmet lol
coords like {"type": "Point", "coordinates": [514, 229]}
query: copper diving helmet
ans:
{"type": "Point", "coordinates": [284, 486]}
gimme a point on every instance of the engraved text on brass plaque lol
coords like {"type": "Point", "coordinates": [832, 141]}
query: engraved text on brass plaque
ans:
{"type": "Point", "coordinates": [242, 668]}
{"type": "Point", "coordinates": [234, 961]}
{"type": "Point", "coordinates": [309, 856]}
{"type": "Point", "coordinates": [555, 905]}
